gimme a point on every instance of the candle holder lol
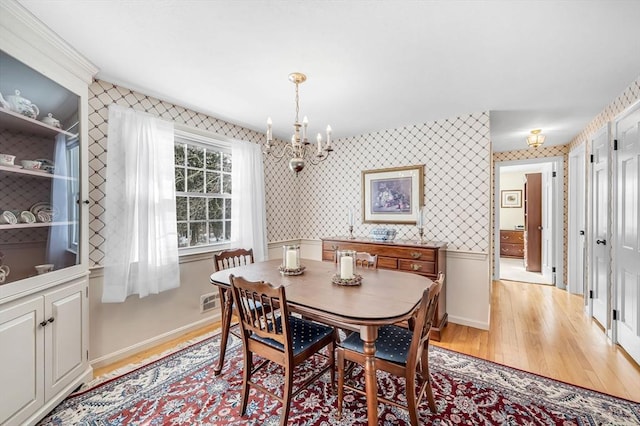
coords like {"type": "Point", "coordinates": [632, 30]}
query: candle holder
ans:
{"type": "Point", "coordinates": [351, 237]}
{"type": "Point", "coordinates": [421, 233]}
{"type": "Point", "coordinates": [345, 268]}
{"type": "Point", "coordinates": [291, 260]}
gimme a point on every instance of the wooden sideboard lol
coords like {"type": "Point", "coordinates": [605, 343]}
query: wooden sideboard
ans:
{"type": "Point", "coordinates": [512, 243]}
{"type": "Point", "coordinates": [425, 259]}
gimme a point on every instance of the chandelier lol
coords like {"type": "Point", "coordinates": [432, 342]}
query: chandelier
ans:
{"type": "Point", "coordinates": [299, 150]}
{"type": "Point", "coordinates": [535, 139]}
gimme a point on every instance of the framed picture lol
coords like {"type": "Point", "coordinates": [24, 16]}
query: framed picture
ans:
{"type": "Point", "coordinates": [511, 198]}
{"type": "Point", "coordinates": [392, 195]}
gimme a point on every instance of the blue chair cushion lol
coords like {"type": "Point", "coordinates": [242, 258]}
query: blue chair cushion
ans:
{"type": "Point", "coordinates": [392, 344]}
{"type": "Point", "coordinates": [252, 305]}
{"type": "Point", "coordinates": [303, 334]}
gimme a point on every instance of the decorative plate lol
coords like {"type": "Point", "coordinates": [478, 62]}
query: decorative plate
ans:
{"type": "Point", "coordinates": [356, 280]}
{"type": "Point", "coordinates": [297, 271]}
{"type": "Point", "coordinates": [44, 207]}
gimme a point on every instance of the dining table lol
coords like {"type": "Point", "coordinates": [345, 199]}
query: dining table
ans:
{"type": "Point", "coordinates": [383, 297]}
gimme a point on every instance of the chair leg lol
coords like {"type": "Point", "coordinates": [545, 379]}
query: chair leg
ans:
{"type": "Point", "coordinates": [332, 362]}
{"type": "Point", "coordinates": [225, 303]}
{"type": "Point", "coordinates": [411, 399]}
{"type": "Point", "coordinates": [246, 377]}
{"type": "Point", "coordinates": [340, 380]}
{"type": "Point", "coordinates": [426, 376]}
{"type": "Point", "coordinates": [286, 394]}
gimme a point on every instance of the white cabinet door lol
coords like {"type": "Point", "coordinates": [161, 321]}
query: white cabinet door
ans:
{"type": "Point", "coordinates": [21, 360]}
{"type": "Point", "coordinates": [66, 352]}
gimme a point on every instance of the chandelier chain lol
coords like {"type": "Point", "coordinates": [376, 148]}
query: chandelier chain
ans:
{"type": "Point", "coordinates": [297, 103]}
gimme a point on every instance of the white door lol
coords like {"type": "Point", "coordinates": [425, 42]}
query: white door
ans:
{"type": "Point", "coordinates": [627, 266]}
{"type": "Point", "coordinates": [599, 232]}
{"type": "Point", "coordinates": [547, 224]}
{"type": "Point", "coordinates": [64, 337]}
{"type": "Point", "coordinates": [21, 360]}
{"type": "Point", "coordinates": [576, 221]}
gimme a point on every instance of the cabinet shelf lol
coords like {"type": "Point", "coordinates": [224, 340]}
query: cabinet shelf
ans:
{"type": "Point", "coordinates": [35, 225]}
{"type": "Point", "coordinates": [35, 173]}
{"type": "Point", "coordinates": [13, 121]}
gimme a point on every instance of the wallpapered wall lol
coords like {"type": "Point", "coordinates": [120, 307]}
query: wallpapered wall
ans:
{"type": "Point", "coordinates": [280, 184]}
{"type": "Point", "coordinates": [456, 153]}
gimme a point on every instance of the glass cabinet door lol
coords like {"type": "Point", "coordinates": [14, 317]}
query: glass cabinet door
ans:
{"type": "Point", "coordinates": [39, 173]}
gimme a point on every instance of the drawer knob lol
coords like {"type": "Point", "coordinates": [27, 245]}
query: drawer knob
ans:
{"type": "Point", "coordinates": [416, 255]}
{"type": "Point", "coordinates": [334, 247]}
{"type": "Point", "coordinates": [415, 267]}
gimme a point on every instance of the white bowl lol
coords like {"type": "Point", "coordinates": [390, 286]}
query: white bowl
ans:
{"type": "Point", "coordinates": [7, 159]}
{"type": "Point", "coordinates": [42, 269]}
{"type": "Point", "coordinates": [30, 164]}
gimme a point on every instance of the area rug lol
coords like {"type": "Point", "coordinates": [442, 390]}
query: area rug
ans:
{"type": "Point", "coordinates": [181, 389]}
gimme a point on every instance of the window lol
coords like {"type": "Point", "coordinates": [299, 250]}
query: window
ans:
{"type": "Point", "coordinates": [203, 190]}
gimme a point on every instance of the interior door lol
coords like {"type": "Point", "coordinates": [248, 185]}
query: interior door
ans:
{"type": "Point", "coordinates": [547, 224]}
{"type": "Point", "coordinates": [533, 222]}
{"type": "Point", "coordinates": [627, 267]}
{"type": "Point", "coordinates": [576, 221]}
{"type": "Point", "coordinates": [600, 260]}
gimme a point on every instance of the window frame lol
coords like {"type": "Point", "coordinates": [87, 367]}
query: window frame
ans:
{"type": "Point", "coordinates": [208, 141]}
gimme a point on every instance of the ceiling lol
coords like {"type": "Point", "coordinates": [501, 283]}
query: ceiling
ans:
{"type": "Point", "coordinates": [371, 65]}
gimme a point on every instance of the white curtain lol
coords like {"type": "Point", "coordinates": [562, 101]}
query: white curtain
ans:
{"type": "Point", "coordinates": [248, 213]}
{"type": "Point", "coordinates": [141, 250]}
{"type": "Point", "coordinates": [58, 244]}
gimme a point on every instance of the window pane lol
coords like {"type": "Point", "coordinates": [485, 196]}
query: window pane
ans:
{"type": "Point", "coordinates": [227, 208]}
{"type": "Point", "coordinates": [215, 231]}
{"type": "Point", "coordinates": [226, 184]}
{"type": "Point", "coordinates": [195, 157]}
{"type": "Point", "coordinates": [198, 233]}
{"type": "Point", "coordinates": [197, 208]}
{"type": "Point", "coordinates": [227, 230]}
{"type": "Point", "coordinates": [180, 179]}
{"type": "Point", "coordinates": [195, 180]}
{"type": "Point", "coordinates": [213, 182]}
{"type": "Point", "coordinates": [226, 163]}
{"type": "Point", "coordinates": [178, 151]}
{"type": "Point", "coordinates": [213, 160]}
{"type": "Point", "coordinates": [181, 208]}
{"type": "Point", "coordinates": [215, 208]}
{"type": "Point", "coordinates": [183, 235]}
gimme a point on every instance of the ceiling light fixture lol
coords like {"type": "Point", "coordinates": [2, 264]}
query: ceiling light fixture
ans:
{"type": "Point", "coordinates": [298, 149]}
{"type": "Point", "coordinates": [535, 139]}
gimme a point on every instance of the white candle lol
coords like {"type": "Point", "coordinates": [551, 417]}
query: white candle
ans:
{"type": "Point", "coordinates": [350, 217]}
{"type": "Point", "coordinates": [305, 122]}
{"type": "Point", "coordinates": [328, 136]}
{"type": "Point", "coordinates": [346, 268]}
{"type": "Point", "coordinates": [291, 261]}
{"type": "Point", "coordinates": [319, 139]}
{"type": "Point", "coordinates": [269, 134]}
{"type": "Point", "coordinates": [419, 217]}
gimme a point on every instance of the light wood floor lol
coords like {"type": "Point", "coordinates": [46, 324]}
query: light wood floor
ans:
{"type": "Point", "coordinates": [533, 327]}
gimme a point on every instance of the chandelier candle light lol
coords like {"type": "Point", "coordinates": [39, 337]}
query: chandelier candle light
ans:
{"type": "Point", "coordinates": [299, 149]}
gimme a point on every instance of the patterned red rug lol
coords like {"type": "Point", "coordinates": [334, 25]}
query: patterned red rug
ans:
{"type": "Point", "coordinates": [180, 389]}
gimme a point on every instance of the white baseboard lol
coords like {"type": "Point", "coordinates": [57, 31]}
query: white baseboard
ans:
{"type": "Point", "coordinates": [149, 343]}
{"type": "Point", "coordinates": [468, 322]}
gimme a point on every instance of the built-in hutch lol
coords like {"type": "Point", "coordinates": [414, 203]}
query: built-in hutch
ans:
{"type": "Point", "coordinates": [44, 340]}
{"type": "Point", "coordinates": [426, 259]}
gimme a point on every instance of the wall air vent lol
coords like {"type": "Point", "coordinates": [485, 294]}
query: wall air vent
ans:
{"type": "Point", "coordinates": [208, 302]}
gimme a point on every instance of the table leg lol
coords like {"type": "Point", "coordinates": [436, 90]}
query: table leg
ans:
{"type": "Point", "coordinates": [225, 305]}
{"type": "Point", "coordinates": [369, 334]}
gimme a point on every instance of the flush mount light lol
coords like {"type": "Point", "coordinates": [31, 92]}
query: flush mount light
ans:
{"type": "Point", "coordinates": [535, 139]}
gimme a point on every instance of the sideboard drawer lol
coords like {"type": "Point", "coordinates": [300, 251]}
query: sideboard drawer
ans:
{"type": "Point", "coordinates": [387, 262]}
{"type": "Point", "coordinates": [417, 266]}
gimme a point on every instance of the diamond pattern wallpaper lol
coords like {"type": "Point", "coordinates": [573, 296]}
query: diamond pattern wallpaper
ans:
{"type": "Point", "coordinates": [456, 154]}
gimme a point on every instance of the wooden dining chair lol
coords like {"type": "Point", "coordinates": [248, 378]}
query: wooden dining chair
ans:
{"type": "Point", "coordinates": [366, 260]}
{"type": "Point", "coordinates": [277, 337]}
{"type": "Point", "coordinates": [225, 260]}
{"type": "Point", "coordinates": [399, 351]}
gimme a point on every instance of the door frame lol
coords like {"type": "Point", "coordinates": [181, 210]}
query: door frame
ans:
{"type": "Point", "coordinates": [558, 213]}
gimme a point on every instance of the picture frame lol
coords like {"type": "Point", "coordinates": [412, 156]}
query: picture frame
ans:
{"type": "Point", "coordinates": [392, 195]}
{"type": "Point", "coordinates": [511, 198]}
